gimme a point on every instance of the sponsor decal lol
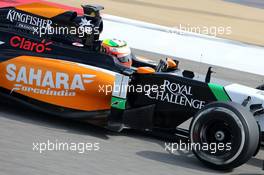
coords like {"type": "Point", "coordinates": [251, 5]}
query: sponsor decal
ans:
{"type": "Point", "coordinates": [177, 94]}
{"type": "Point", "coordinates": [87, 27]}
{"type": "Point", "coordinates": [84, 22]}
{"type": "Point", "coordinates": [118, 103]}
{"type": "Point", "coordinates": [15, 16]}
{"type": "Point", "coordinates": [26, 26]}
{"type": "Point", "coordinates": [25, 44]}
{"type": "Point", "coordinates": [47, 82]}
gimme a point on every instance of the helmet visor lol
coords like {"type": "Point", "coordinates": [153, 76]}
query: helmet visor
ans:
{"type": "Point", "coordinates": [125, 60]}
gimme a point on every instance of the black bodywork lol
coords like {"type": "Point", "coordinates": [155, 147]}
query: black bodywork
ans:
{"type": "Point", "coordinates": [170, 111]}
{"type": "Point", "coordinates": [166, 114]}
{"type": "Point", "coordinates": [141, 111]}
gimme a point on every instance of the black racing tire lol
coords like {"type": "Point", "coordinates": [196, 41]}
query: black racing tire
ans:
{"type": "Point", "coordinates": [229, 124]}
{"type": "Point", "coordinates": [262, 139]}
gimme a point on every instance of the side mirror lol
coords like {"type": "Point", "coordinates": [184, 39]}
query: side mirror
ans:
{"type": "Point", "coordinates": [145, 70]}
{"type": "Point", "coordinates": [208, 75]}
{"type": "Point", "coordinates": [92, 10]}
{"type": "Point", "coordinates": [172, 64]}
{"type": "Point", "coordinates": [167, 65]}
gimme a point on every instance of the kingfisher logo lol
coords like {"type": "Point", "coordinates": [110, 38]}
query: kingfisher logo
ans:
{"type": "Point", "coordinates": [15, 16]}
{"type": "Point", "coordinates": [26, 44]}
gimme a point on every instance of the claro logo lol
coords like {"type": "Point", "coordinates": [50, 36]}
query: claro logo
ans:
{"type": "Point", "coordinates": [25, 44]}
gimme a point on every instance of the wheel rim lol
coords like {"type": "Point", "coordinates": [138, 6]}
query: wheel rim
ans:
{"type": "Point", "coordinates": [218, 126]}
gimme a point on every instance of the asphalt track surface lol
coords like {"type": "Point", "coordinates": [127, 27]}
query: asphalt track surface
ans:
{"type": "Point", "coordinates": [126, 153]}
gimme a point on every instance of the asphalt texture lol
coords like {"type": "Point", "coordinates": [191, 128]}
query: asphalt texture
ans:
{"type": "Point", "coordinates": [126, 153]}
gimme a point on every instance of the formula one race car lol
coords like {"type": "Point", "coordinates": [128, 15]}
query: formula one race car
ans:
{"type": "Point", "coordinates": [81, 77]}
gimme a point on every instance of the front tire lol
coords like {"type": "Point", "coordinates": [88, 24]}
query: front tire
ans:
{"type": "Point", "coordinates": [228, 124]}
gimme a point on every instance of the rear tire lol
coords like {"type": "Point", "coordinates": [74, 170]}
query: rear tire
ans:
{"type": "Point", "coordinates": [228, 124]}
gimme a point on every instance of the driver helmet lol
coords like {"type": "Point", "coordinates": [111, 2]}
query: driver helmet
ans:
{"type": "Point", "coordinates": [120, 50]}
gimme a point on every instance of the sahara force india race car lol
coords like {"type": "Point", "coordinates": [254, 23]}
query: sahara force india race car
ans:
{"type": "Point", "coordinates": [81, 77]}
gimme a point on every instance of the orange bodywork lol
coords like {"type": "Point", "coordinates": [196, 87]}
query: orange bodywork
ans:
{"type": "Point", "coordinates": [62, 83]}
{"type": "Point", "coordinates": [145, 70]}
{"type": "Point", "coordinates": [41, 9]}
{"type": "Point", "coordinates": [171, 63]}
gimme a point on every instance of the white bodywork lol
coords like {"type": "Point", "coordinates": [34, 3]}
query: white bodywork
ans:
{"type": "Point", "coordinates": [238, 93]}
